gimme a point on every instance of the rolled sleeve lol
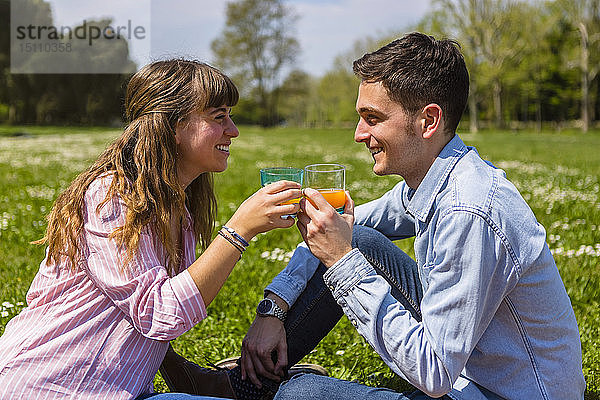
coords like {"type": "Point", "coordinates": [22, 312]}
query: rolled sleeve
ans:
{"type": "Point", "coordinates": [291, 282]}
{"type": "Point", "coordinates": [189, 298]}
{"type": "Point", "coordinates": [347, 272]}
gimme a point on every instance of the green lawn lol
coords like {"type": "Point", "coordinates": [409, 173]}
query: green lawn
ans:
{"type": "Point", "coordinates": [556, 173]}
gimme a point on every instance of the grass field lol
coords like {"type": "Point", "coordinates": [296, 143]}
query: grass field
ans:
{"type": "Point", "coordinates": [558, 174]}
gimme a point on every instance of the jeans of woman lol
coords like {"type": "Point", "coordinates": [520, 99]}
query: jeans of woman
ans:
{"type": "Point", "coordinates": [315, 313]}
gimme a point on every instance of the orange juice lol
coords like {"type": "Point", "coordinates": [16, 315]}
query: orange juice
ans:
{"type": "Point", "coordinates": [292, 201]}
{"type": "Point", "coordinates": [335, 197]}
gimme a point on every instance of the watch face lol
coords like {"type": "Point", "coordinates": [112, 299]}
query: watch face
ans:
{"type": "Point", "coordinates": [264, 307]}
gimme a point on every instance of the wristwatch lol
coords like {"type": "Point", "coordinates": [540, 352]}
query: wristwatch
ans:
{"type": "Point", "coordinates": [268, 308]}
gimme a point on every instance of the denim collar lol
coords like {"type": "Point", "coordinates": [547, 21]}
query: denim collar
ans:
{"type": "Point", "coordinates": [421, 201]}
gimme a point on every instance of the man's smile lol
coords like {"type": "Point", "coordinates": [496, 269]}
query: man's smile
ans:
{"type": "Point", "coordinates": [375, 150]}
{"type": "Point", "coordinates": [223, 147]}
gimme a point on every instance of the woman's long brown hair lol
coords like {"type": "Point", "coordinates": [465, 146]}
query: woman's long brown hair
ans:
{"type": "Point", "coordinates": [143, 163]}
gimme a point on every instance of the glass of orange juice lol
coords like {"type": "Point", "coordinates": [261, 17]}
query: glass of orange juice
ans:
{"type": "Point", "coordinates": [274, 174]}
{"type": "Point", "coordinates": [330, 181]}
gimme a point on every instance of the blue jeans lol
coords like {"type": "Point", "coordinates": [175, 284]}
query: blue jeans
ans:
{"type": "Point", "coordinates": [315, 313]}
{"type": "Point", "coordinates": [309, 386]}
{"type": "Point", "coordinates": [175, 396]}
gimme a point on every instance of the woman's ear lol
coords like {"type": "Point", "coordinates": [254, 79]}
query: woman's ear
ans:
{"type": "Point", "coordinates": [179, 126]}
{"type": "Point", "coordinates": [431, 120]}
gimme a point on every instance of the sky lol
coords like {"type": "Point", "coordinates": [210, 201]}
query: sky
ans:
{"type": "Point", "coordinates": [185, 28]}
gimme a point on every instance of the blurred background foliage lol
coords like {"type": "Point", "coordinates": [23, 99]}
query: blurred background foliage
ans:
{"type": "Point", "coordinates": [534, 64]}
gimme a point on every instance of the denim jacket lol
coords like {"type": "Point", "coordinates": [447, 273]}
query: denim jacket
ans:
{"type": "Point", "coordinates": [497, 322]}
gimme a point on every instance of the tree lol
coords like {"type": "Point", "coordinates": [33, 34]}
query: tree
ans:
{"type": "Point", "coordinates": [461, 22]}
{"type": "Point", "coordinates": [493, 34]}
{"type": "Point", "coordinates": [4, 52]}
{"type": "Point", "coordinates": [584, 16]}
{"type": "Point", "coordinates": [91, 98]}
{"type": "Point", "coordinates": [255, 46]}
{"type": "Point", "coordinates": [333, 96]}
{"type": "Point", "coordinates": [294, 98]}
{"type": "Point", "coordinates": [542, 87]}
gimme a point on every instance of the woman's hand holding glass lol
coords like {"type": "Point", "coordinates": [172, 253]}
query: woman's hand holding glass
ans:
{"type": "Point", "coordinates": [263, 211]}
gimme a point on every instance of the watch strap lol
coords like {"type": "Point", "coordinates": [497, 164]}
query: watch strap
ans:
{"type": "Point", "coordinates": [275, 310]}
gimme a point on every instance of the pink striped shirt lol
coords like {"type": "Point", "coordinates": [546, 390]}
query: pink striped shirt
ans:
{"type": "Point", "coordinates": [99, 333]}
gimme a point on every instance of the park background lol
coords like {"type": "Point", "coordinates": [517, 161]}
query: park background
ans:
{"type": "Point", "coordinates": [533, 111]}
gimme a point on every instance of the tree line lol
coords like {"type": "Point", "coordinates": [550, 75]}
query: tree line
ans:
{"type": "Point", "coordinates": [60, 99]}
{"type": "Point", "coordinates": [531, 63]}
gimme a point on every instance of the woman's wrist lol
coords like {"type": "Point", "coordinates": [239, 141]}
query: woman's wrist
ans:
{"type": "Point", "coordinates": [240, 229]}
{"type": "Point", "coordinates": [233, 241]}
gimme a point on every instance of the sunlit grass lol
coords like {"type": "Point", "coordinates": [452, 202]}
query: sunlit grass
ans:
{"type": "Point", "coordinates": [557, 175]}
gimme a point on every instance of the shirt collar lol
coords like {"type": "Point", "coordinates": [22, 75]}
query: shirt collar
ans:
{"type": "Point", "coordinates": [422, 199]}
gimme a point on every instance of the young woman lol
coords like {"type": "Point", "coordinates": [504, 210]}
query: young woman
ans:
{"type": "Point", "coordinates": [120, 278]}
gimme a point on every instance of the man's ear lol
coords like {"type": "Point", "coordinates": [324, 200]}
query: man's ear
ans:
{"type": "Point", "coordinates": [431, 120]}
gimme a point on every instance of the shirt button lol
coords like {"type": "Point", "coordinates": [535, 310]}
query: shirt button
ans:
{"type": "Point", "coordinates": [330, 287]}
{"type": "Point", "coordinates": [195, 320]}
{"type": "Point", "coordinates": [354, 323]}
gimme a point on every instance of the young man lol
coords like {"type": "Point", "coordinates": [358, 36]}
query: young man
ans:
{"type": "Point", "coordinates": [480, 314]}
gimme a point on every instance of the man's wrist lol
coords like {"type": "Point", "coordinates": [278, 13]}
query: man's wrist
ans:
{"type": "Point", "coordinates": [333, 260]}
{"type": "Point", "coordinates": [268, 308]}
{"type": "Point", "coordinates": [278, 300]}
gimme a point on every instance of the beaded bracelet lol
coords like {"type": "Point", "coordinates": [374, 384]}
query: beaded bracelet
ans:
{"type": "Point", "coordinates": [232, 241]}
{"type": "Point", "coordinates": [236, 236]}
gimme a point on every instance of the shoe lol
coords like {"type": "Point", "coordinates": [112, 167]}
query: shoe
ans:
{"type": "Point", "coordinates": [224, 380]}
{"type": "Point", "coordinates": [230, 363]}
{"type": "Point", "coordinates": [307, 369]}
{"type": "Point", "coordinates": [183, 376]}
